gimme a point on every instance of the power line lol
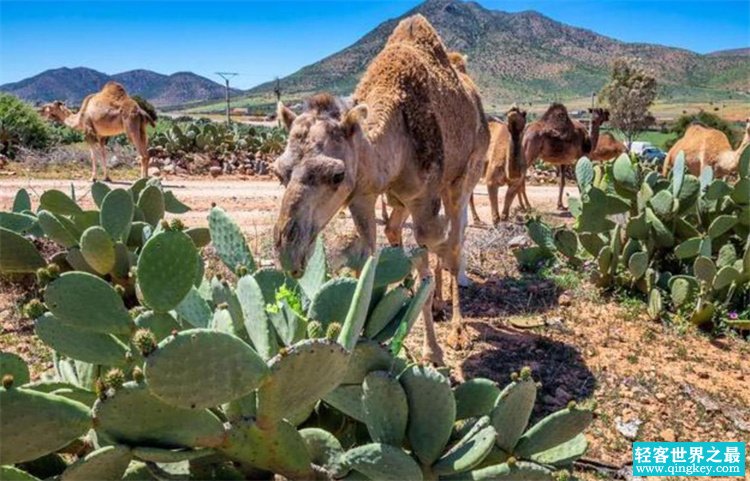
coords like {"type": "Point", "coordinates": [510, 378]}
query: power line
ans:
{"type": "Point", "coordinates": [226, 76]}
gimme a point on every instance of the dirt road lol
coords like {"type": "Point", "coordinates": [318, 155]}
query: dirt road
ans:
{"type": "Point", "coordinates": [252, 203]}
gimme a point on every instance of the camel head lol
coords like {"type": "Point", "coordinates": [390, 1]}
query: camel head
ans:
{"type": "Point", "coordinates": [319, 169]}
{"type": "Point", "coordinates": [516, 120]}
{"type": "Point", "coordinates": [56, 111]}
{"type": "Point", "coordinates": [599, 116]}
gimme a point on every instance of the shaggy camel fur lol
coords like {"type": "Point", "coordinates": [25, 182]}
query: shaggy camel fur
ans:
{"type": "Point", "coordinates": [704, 146]}
{"type": "Point", "coordinates": [557, 140]}
{"type": "Point", "coordinates": [418, 133]}
{"type": "Point", "coordinates": [505, 164]}
{"type": "Point", "coordinates": [105, 114]}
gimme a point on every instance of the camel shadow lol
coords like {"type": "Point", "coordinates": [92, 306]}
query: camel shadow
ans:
{"type": "Point", "coordinates": [522, 294]}
{"type": "Point", "coordinates": [559, 367]}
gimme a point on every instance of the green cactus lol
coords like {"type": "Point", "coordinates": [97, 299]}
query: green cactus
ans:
{"type": "Point", "coordinates": [357, 315]}
{"type": "Point", "coordinates": [557, 428]}
{"type": "Point", "coordinates": [166, 269]}
{"type": "Point", "coordinates": [81, 344]}
{"type": "Point", "coordinates": [228, 241]}
{"type": "Point", "coordinates": [17, 254]}
{"type": "Point", "coordinates": [385, 408]}
{"type": "Point", "coordinates": [475, 398]}
{"type": "Point", "coordinates": [59, 203]}
{"type": "Point", "coordinates": [382, 461]}
{"type": "Point", "coordinates": [98, 249]}
{"type": "Point", "coordinates": [258, 327]}
{"type": "Point", "coordinates": [109, 462]}
{"type": "Point", "coordinates": [11, 364]}
{"type": "Point", "coordinates": [222, 369]}
{"type": "Point", "coordinates": [471, 450]}
{"type": "Point", "coordinates": [35, 423]}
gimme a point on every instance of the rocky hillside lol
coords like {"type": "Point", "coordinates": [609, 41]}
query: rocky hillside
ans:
{"type": "Point", "coordinates": [528, 56]}
{"type": "Point", "coordinates": [73, 84]}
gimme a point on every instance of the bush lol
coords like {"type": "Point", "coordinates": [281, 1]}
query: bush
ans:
{"type": "Point", "coordinates": [146, 106]}
{"type": "Point", "coordinates": [21, 126]}
{"type": "Point", "coordinates": [63, 135]}
{"type": "Point", "coordinates": [709, 120]}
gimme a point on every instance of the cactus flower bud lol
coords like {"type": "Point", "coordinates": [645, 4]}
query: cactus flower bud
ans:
{"type": "Point", "coordinates": [145, 341]}
{"type": "Point", "coordinates": [514, 376]}
{"type": "Point", "coordinates": [333, 331]}
{"type": "Point", "coordinates": [7, 381]}
{"type": "Point", "coordinates": [43, 276]}
{"type": "Point", "coordinates": [525, 373]}
{"type": "Point", "coordinates": [315, 330]}
{"type": "Point", "coordinates": [54, 270]}
{"type": "Point", "coordinates": [114, 378]}
{"type": "Point", "coordinates": [562, 475]}
{"type": "Point", "coordinates": [137, 374]}
{"type": "Point", "coordinates": [241, 270]}
{"type": "Point", "coordinates": [177, 225]}
{"type": "Point", "coordinates": [119, 290]}
{"type": "Point", "coordinates": [164, 224]}
{"type": "Point", "coordinates": [34, 309]}
{"type": "Point", "coordinates": [572, 404]}
{"type": "Point", "coordinates": [511, 461]}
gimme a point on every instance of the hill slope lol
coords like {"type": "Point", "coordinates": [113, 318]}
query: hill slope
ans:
{"type": "Point", "coordinates": [527, 56]}
{"type": "Point", "coordinates": [73, 84]}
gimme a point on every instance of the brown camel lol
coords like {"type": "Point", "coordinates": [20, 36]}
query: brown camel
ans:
{"type": "Point", "coordinates": [704, 146]}
{"type": "Point", "coordinates": [417, 132]}
{"type": "Point", "coordinates": [557, 140]}
{"type": "Point", "coordinates": [505, 164]}
{"type": "Point", "coordinates": [105, 114]}
{"type": "Point", "coordinates": [605, 145]}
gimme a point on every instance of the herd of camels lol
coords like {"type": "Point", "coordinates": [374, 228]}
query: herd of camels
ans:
{"type": "Point", "coordinates": [414, 131]}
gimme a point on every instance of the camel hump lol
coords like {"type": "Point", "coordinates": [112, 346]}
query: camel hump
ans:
{"type": "Point", "coordinates": [458, 61]}
{"type": "Point", "coordinates": [114, 89]}
{"type": "Point", "coordinates": [418, 32]}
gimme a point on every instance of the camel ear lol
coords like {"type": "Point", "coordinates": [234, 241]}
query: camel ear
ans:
{"type": "Point", "coordinates": [285, 115]}
{"type": "Point", "coordinates": [352, 118]}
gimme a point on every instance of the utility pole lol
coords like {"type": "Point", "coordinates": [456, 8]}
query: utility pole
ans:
{"type": "Point", "coordinates": [277, 90]}
{"type": "Point", "coordinates": [226, 76]}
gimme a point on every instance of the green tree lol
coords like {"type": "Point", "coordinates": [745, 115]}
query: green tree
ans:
{"type": "Point", "coordinates": [21, 125]}
{"type": "Point", "coordinates": [629, 94]}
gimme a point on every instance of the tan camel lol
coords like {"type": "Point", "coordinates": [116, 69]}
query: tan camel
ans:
{"type": "Point", "coordinates": [505, 164]}
{"type": "Point", "coordinates": [417, 132]}
{"type": "Point", "coordinates": [604, 146]}
{"type": "Point", "coordinates": [704, 146]}
{"type": "Point", "coordinates": [105, 114]}
{"type": "Point", "coordinates": [557, 140]}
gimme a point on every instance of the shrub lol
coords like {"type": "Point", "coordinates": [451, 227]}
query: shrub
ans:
{"type": "Point", "coordinates": [146, 106]}
{"type": "Point", "coordinates": [20, 125]}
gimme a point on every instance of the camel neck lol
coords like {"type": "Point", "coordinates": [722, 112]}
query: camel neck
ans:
{"type": "Point", "coordinates": [594, 134]}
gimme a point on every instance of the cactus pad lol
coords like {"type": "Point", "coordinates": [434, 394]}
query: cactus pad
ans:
{"type": "Point", "coordinates": [519, 471]}
{"type": "Point", "coordinates": [56, 229]}
{"type": "Point", "coordinates": [512, 411]}
{"type": "Point", "coordinates": [469, 451]}
{"type": "Point", "coordinates": [194, 309]}
{"type": "Point", "coordinates": [228, 241]}
{"type": "Point", "coordinates": [332, 301]}
{"type": "Point", "coordinates": [18, 254]}
{"type": "Point", "coordinates": [315, 272]}
{"type": "Point", "coordinates": [21, 201]}
{"type": "Point", "coordinates": [98, 249]}
{"type": "Point", "coordinates": [117, 214]}
{"type": "Point", "coordinates": [563, 454]}
{"type": "Point", "coordinates": [475, 397]}
{"type": "Point", "coordinates": [80, 344]}
{"type": "Point", "coordinates": [323, 447]}
{"type": "Point", "coordinates": [301, 375]}
{"type": "Point", "coordinates": [222, 368]}
{"type": "Point", "coordinates": [109, 462]}
{"type": "Point", "coordinates": [257, 325]}
{"type": "Point", "coordinates": [11, 364]}
{"type": "Point", "coordinates": [393, 266]}
{"type": "Point", "coordinates": [432, 411]}
{"type": "Point", "coordinates": [58, 203]}
{"type": "Point", "coordinates": [166, 269]}
{"type": "Point", "coordinates": [555, 429]}
{"type": "Point", "coordinates": [348, 400]}
{"type": "Point", "coordinates": [34, 424]}
{"type": "Point", "coordinates": [88, 302]}
{"type": "Point", "coordinates": [357, 315]}
{"type": "Point", "coordinates": [382, 462]}
{"type": "Point", "coordinates": [386, 310]}
{"type": "Point", "coordinates": [133, 416]}
{"type": "Point", "coordinates": [160, 323]}
{"type": "Point", "coordinates": [201, 236]}
{"type": "Point", "coordinates": [159, 455]}
{"type": "Point", "coordinates": [151, 203]}
{"type": "Point", "coordinates": [386, 408]}
{"type": "Point", "coordinates": [366, 357]}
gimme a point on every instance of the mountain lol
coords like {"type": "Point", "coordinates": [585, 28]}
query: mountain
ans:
{"type": "Point", "coordinates": [731, 52]}
{"type": "Point", "coordinates": [73, 84]}
{"type": "Point", "coordinates": [527, 56]}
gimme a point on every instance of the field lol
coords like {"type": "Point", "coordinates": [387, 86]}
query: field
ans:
{"type": "Point", "coordinates": [669, 381]}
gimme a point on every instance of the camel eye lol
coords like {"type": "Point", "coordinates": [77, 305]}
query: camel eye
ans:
{"type": "Point", "coordinates": [337, 178]}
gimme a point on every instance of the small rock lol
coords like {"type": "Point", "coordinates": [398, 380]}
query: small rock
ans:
{"type": "Point", "coordinates": [668, 435]}
{"type": "Point", "coordinates": [661, 396]}
{"type": "Point", "coordinates": [628, 429]}
{"type": "Point", "coordinates": [153, 171]}
{"type": "Point", "coordinates": [214, 170]}
{"type": "Point", "coordinates": [517, 241]}
{"type": "Point", "coordinates": [564, 299]}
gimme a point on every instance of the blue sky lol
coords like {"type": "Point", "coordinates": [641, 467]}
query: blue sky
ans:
{"type": "Point", "coordinates": [263, 39]}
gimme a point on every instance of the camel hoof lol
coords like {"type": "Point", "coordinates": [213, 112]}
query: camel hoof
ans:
{"type": "Point", "coordinates": [92, 179]}
{"type": "Point", "coordinates": [107, 179]}
{"type": "Point", "coordinates": [459, 339]}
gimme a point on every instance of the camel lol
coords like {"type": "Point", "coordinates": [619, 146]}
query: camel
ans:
{"type": "Point", "coordinates": [557, 140]}
{"type": "Point", "coordinates": [604, 146]}
{"type": "Point", "coordinates": [105, 114]}
{"type": "Point", "coordinates": [417, 132]}
{"type": "Point", "coordinates": [505, 164]}
{"type": "Point", "coordinates": [704, 146]}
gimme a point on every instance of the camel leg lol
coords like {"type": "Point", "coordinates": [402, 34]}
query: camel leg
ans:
{"type": "Point", "coordinates": [103, 158]}
{"type": "Point", "coordinates": [452, 256]}
{"type": "Point", "coordinates": [384, 208]}
{"type": "Point", "coordinates": [513, 190]}
{"type": "Point", "coordinates": [362, 209]}
{"type": "Point", "coordinates": [474, 214]}
{"type": "Point", "coordinates": [431, 350]}
{"type": "Point", "coordinates": [524, 197]}
{"type": "Point", "coordinates": [561, 173]}
{"type": "Point", "coordinates": [395, 225]}
{"type": "Point", "coordinates": [135, 128]}
{"type": "Point", "coordinates": [494, 207]}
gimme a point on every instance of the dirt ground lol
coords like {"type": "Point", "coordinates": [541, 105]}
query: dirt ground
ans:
{"type": "Point", "coordinates": [664, 382]}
